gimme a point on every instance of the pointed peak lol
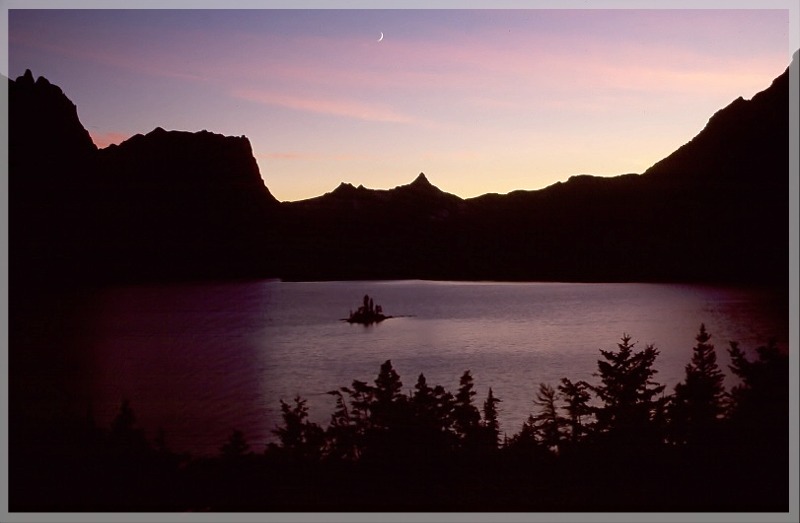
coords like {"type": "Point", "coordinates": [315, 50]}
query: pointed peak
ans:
{"type": "Point", "coordinates": [421, 180]}
{"type": "Point", "coordinates": [343, 187]}
{"type": "Point", "coordinates": [26, 78]}
{"type": "Point", "coordinates": [421, 185]}
{"type": "Point", "coordinates": [42, 81]}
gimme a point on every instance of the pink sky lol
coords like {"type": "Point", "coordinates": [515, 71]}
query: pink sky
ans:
{"type": "Point", "coordinates": [481, 101]}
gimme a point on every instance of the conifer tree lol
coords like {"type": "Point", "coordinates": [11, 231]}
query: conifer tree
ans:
{"type": "Point", "coordinates": [388, 385]}
{"type": "Point", "coordinates": [422, 399]}
{"type": "Point", "coordinates": [298, 436]}
{"type": "Point", "coordinates": [761, 402]}
{"type": "Point", "coordinates": [465, 415]}
{"type": "Point", "coordinates": [425, 405]}
{"type": "Point", "coordinates": [528, 436]}
{"type": "Point", "coordinates": [577, 398]}
{"type": "Point", "coordinates": [236, 446]}
{"type": "Point", "coordinates": [628, 392]}
{"type": "Point", "coordinates": [125, 436]}
{"type": "Point", "coordinates": [758, 426]}
{"type": "Point", "coordinates": [547, 422]}
{"type": "Point", "coordinates": [432, 414]}
{"type": "Point", "coordinates": [698, 402]}
{"type": "Point", "coordinates": [390, 419]}
{"type": "Point", "coordinates": [444, 406]}
{"type": "Point", "coordinates": [491, 425]}
{"type": "Point", "coordinates": [362, 400]}
{"type": "Point", "coordinates": [341, 434]}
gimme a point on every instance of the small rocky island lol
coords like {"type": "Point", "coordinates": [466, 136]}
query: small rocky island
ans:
{"type": "Point", "coordinates": [367, 313]}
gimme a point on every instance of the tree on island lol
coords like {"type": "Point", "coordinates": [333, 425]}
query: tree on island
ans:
{"type": "Point", "coordinates": [367, 313]}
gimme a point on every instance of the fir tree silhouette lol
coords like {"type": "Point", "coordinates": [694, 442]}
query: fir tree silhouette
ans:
{"type": "Point", "coordinates": [699, 401]}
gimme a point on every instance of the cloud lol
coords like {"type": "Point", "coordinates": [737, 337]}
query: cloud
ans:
{"type": "Point", "coordinates": [289, 156]}
{"type": "Point", "coordinates": [311, 156]}
{"type": "Point", "coordinates": [336, 107]}
{"type": "Point", "coordinates": [494, 72]}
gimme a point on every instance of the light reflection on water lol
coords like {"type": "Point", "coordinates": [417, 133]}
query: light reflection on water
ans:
{"type": "Point", "coordinates": [201, 360]}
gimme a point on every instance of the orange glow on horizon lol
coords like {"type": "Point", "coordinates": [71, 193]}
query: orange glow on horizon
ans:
{"type": "Point", "coordinates": [103, 140]}
{"type": "Point", "coordinates": [482, 101]}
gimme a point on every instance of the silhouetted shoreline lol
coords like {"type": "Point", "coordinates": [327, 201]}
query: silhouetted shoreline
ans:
{"type": "Point", "coordinates": [623, 443]}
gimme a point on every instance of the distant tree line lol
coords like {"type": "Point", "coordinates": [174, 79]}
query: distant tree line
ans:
{"type": "Point", "coordinates": [620, 444]}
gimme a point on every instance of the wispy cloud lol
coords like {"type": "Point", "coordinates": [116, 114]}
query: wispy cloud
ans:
{"type": "Point", "coordinates": [338, 107]}
{"type": "Point", "coordinates": [493, 71]}
{"type": "Point", "coordinates": [657, 79]}
{"type": "Point", "coordinates": [289, 156]}
{"type": "Point", "coordinates": [310, 156]}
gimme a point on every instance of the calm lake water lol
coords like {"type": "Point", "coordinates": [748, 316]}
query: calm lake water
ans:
{"type": "Point", "coordinates": [202, 360]}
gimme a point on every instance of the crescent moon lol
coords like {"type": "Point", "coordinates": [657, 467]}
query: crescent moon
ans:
{"type": "Point", "coordinates": [381, 38]}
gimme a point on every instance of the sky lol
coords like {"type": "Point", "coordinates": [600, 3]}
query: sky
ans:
{"type": "Point", "coordinates": [481, 101]}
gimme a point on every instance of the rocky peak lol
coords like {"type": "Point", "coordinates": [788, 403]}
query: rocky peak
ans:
{"type": "Point", "coordinates": [26, 79]}
{"type": "Point", "coordinates": [420, 185]}
{"type": "Point", "coordinates": [344, 188]}
{"type": "Point", "coordinates": [47, 133]}
{"type": "Point", "coordinates": [421, 181]}
{"type": "Point", "coordinates": [192, 158]}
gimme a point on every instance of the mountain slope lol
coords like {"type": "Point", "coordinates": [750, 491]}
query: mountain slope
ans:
{"type": "Point", "coordinates": [715, 210]}
{"type": "Point", "coordinates": [166, 205]}
{"type": "Point", "coordinates": [355, 233]}
{"type": "Point", "coordinates": [193, 201]}
{"type": "Point", "coordinates": [50, 167]}
{"type": "Point", "coordinates": [174, 205]}
{"type": "Point", "coordinates": [730, 186]}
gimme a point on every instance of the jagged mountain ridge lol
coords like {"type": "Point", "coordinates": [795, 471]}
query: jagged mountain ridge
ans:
{"type": "Point", "coordinates": [715, 210]}
{"type": "Point", "coordinates": [49, 155]}
{"type": "Point", "coordinates": [421, 190]}
{"type": "Point", "coordinates": [165, 205]}
{"type": "Point", "coordinates": [198, 197]}
{"type": "Point", "coordinates": [172, 204]}
{"type": "Point", "coordinates": [418, 200]}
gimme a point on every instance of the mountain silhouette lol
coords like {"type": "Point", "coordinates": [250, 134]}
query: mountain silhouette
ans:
{"type": "Point", "coordinates": [194, 201]}
{"type": "Point", "coordinates": [50, 157]}
{"type": "Point", "coordinates": [165, 205]}
{"type": "Point", "coordinates": [356, 233]}
{"type": "Point", "coordinates": [174, 205]}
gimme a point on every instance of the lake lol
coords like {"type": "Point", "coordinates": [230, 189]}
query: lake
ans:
{"type": "Point", "coordinates": [199, 360]}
